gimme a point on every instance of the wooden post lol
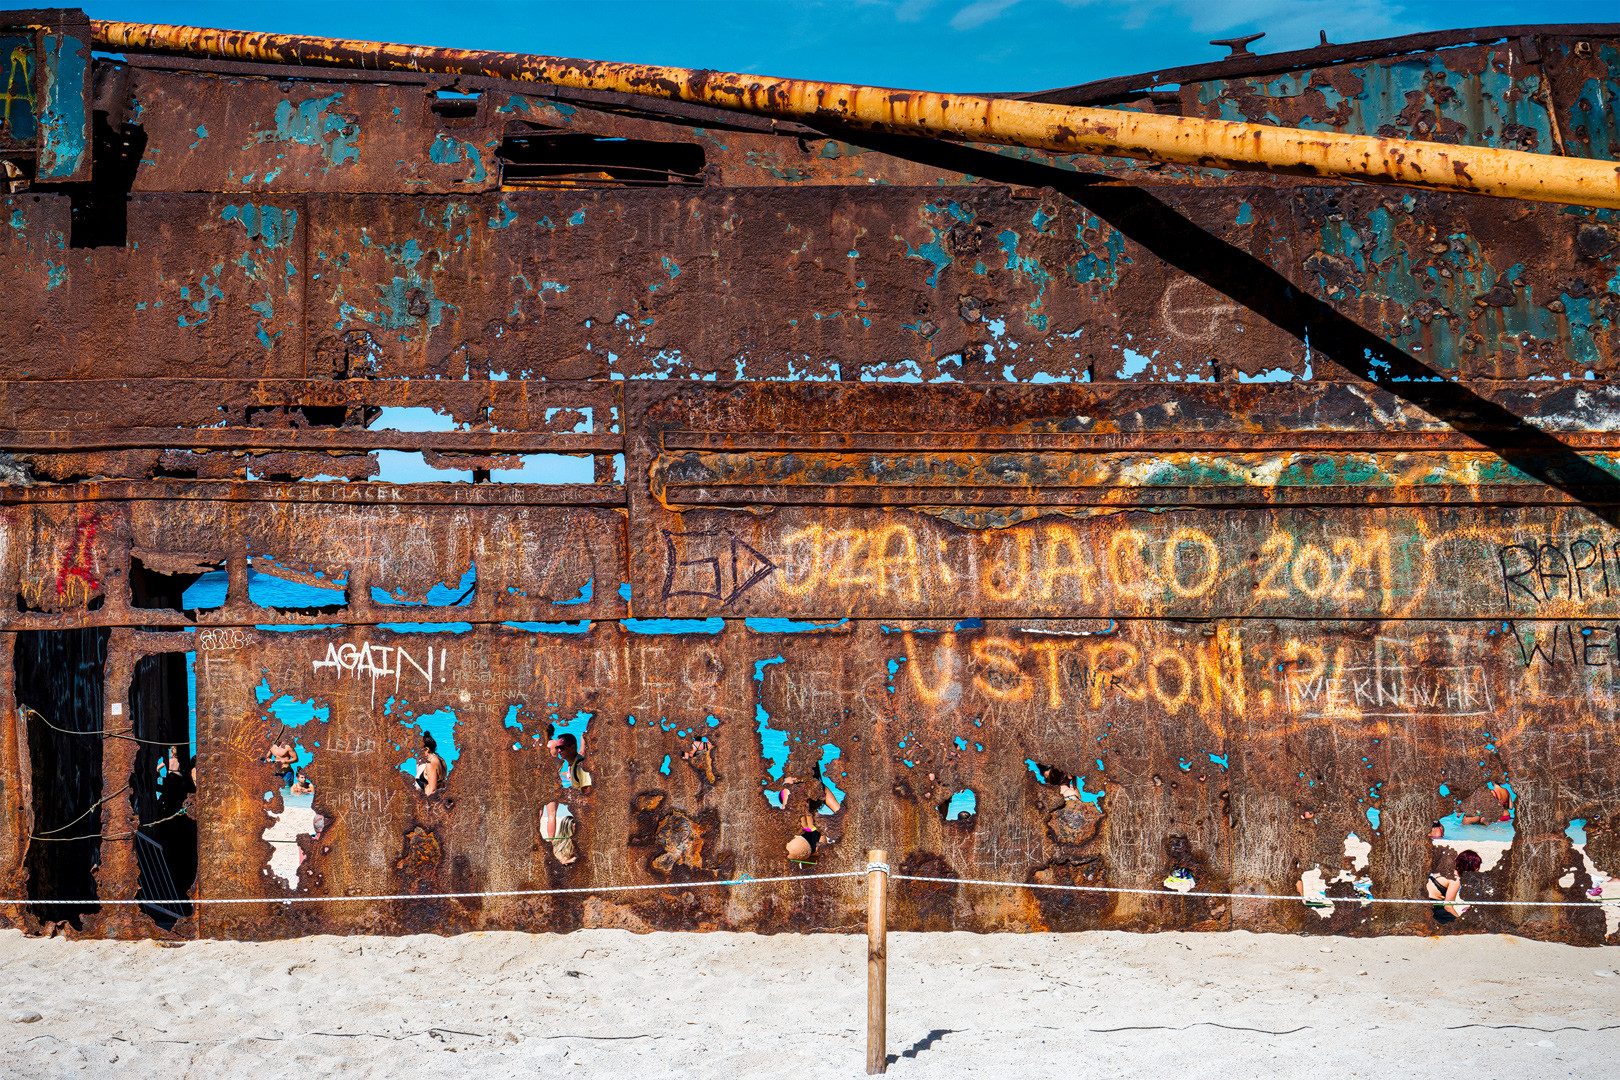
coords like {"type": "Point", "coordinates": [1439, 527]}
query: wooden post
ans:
{"type": "Point", "coordinates": [877, 965]}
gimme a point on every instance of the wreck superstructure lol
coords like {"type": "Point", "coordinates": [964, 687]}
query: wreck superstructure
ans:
{"type": "Point", "coordinates": [345, 406]}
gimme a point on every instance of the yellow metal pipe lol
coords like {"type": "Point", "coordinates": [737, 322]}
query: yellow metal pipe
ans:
{"type": "Point", "coordinates": [1064, 129]}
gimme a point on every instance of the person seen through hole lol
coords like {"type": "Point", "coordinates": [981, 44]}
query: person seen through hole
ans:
{"type": "Point", "coordinates": [817, 795]}
{"type": "Point", "coordinates": [1445, 891]}
{"type": "Point", "coordinates": [430, 767]}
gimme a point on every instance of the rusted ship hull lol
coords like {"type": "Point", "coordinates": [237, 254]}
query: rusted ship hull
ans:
{"type": "Point", "coordinates": [1281, 515]}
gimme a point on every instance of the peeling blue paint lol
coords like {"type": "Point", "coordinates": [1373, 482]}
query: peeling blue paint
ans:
{"type": "Point", "coordinates": [762, 625]}
{"type": "Point", "coordinates": [270, 225]}
{"type": "Point", "coordinates": [551, 627]}
{"type": "Point", "coordinates": [1031, 267]}
{"type": "Point", "coordinates": [63, 121]}
{"type": "Point", "coordinates": [674, 626]}
{"type": "Point", "coordinates": [584, 596]}
{"type": "Point", "coordinates": [310, 123]}
{"type": "Point", "coordinates": [426, 627]}
{"type": "Point", "coordinates": [773, 743]}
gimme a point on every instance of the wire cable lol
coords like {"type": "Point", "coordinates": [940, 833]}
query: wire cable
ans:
{"type": "Point", "coordinates": [99, 731]}
{"type": "Point", "coordinates": [46, 835]}
{"type": "Point", "coordinates": [1256, 896]}
{"type": "Point", "coordinates": [673, 887]}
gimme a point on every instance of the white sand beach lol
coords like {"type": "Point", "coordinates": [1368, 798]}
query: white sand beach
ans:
{"type": "Point", "coordinates": [606, 1003]}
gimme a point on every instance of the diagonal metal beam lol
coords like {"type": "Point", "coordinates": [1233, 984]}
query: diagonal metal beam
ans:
{"type": "Point", "coordinates": [970, 118]}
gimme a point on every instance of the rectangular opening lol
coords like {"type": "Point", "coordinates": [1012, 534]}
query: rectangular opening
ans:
{"type": "Point", "coordinates": [208, 591]}
{"type": "Point", "coordinates": [410, 418]}
{"type": "Point", "coordinates": [451, 106]}
{"type": "Point", "coordinates": [440, 594]}
{"type": "Point", "coordinates": [165, 760]}
{"type": "Point", "coordinates": [548, 469]}
{"type": "Point", "coordinates": [60, 686]}
{"type": "Point", "coordinates": [277, 583]}
{"type": "Point", "coordinates": [296, 416]}
{"type": "Point", "coordinates": [154, 589]}
{"type": "Point", "coordinates": [541, 160]}
{"type": "Point", "coordinates": [411, 467]}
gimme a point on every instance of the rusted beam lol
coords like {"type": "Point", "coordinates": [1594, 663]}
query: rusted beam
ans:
{"type": "Point", "coordinates": [968, 118]}
{"type": "Point", "coordinates": [1253, 65]}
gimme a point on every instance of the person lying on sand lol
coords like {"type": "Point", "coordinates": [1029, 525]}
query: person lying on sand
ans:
{"type": "Point", "coordinates": [817, 794]}
{"type": "Point", "coordinates": [557, 826]}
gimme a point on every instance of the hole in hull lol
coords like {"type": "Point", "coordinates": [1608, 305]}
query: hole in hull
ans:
{"type": "Point", "coordinates": [60, 688]}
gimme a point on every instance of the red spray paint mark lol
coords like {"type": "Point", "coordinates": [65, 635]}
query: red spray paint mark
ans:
{"type": "Point", "coordinates": [80, 561]}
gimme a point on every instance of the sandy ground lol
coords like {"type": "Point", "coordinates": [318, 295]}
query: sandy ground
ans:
{"type": "Point", "coordinates": [612, 1003]}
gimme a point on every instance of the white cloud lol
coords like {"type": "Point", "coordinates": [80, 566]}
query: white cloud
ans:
{"type": "Point", "coordinates": [979, 12]}
{"type": "Point", "coordinates": [911, 11]}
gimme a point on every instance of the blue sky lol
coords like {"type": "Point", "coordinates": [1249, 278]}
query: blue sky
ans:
{"type": "Point", "coordinates": [927, 44]}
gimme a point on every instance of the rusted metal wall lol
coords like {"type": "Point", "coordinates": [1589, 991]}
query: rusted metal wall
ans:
{"type": "Point", "coordinates": [1280, 515]}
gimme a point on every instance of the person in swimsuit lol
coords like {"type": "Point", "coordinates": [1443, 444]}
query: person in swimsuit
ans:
{"type": "Point", "coordinates": [702, 758]}
{"type": "Point", "coordinates": [176, 780]}
{"type": "Point", "coordinates": [430, 767]}
{"type": "Point", "coordinates": [802, 847]}
{"type": "Point", "coordinates": [557, 827]}
{"type": "Point", "coordinates": [1491, 803]}
{"type": "Point", "coordinates": [283, 754]}
{"type": "Point", "coordinates": [1445, 890]}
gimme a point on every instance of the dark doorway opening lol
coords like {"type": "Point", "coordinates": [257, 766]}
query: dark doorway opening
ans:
{"type": "Point", "coordinates": [166, 839]}
{"type": "Point", "coordinates": [60, 686]}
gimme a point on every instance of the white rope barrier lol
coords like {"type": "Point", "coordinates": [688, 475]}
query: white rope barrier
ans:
{"type": "Point", "coordinates": [449, 895]}
{"type": "Point", "coordinates": [1296, 898]}
{"type": "Point", "coordinates": [879, 867]}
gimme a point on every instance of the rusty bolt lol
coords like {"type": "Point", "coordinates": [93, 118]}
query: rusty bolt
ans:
{"type": "Point", "coordinates": [970, 309]}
